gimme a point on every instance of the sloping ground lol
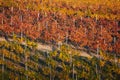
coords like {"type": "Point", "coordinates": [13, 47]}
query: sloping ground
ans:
{"type": "Point", "coordinates": [48, 48]}
{"type": "Point", "coordinates": [44, 48]}
{"type": "Point", "coordinates": [21, 63]}
{"type": "Point", "coordinates": [82, 22]}
{"type": "Point", "coordinates": [40, 46]}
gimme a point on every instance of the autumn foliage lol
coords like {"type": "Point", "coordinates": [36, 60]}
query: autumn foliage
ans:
{"type": "Point", "coordinates": [87, 23]}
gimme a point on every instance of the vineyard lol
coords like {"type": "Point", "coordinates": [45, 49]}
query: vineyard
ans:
{"type": "Point", "coordinates": [59, 39]}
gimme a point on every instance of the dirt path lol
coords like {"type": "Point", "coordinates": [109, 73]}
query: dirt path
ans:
{"type": "Point", "coordinates": [40, 46]}
{"type": "Point", "coordinates": [44, 47]}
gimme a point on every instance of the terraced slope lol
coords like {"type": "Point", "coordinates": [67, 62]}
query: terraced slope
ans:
{"type": "Point", "coordinates": [21, 62]}
{"type": "Point", "coordinates": [92, 24]}
{"type": "Point", "coordinates": [60, 39]}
